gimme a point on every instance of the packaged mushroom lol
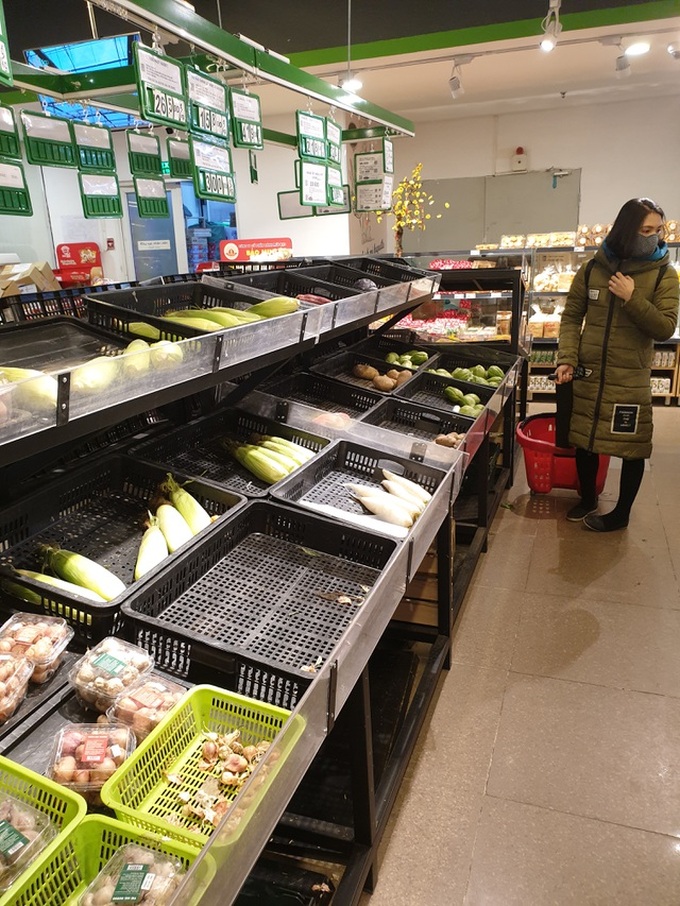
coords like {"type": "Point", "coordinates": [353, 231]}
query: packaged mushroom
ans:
{"type": "Point", "coordinates": [145, 703]}
{"type": "Point", "coordinates": [42, 640]}
{"type": "Point", "coordinates": [86, 755]}
{"type": "Point", "coordinates": [15, 673]}
{"type": "Point", "coordinates": [24, 834]}
{"type": "Point", "coordinates": [134, 874]}
{"type": "Point", "coordinates": [108, 670]}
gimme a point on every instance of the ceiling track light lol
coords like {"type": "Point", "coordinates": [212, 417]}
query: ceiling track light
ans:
{"type": "Point", "coordinates": [551, 27]}
{"type": "Point", "coordinates": [622, 68]}
{"type": "Point", "coordinates": [674, 51]}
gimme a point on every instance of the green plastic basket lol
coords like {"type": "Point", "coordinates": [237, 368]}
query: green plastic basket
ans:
{"type": "Point", "coordinates": [63, 807]}
{"type": "Point", "coordinates": [67, 866]}
{"type": "Point", "coordinates": [139, 792]}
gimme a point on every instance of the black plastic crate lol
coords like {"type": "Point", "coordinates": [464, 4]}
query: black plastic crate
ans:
{"type": "Point", "coordinates": [379, 346]}
{"type": "Point", "coordinates": [391, 269]}
{"type": "Point", "coordinates": [36, 306]}
{"type": "Point", "coordinates": [350, 277]}
{"type": "Point", "coordinates": [428, 389]}
{"type": "Point", "coordinates": [97, 511]}
{"type": "Point", "coordinates": [453, 355]}
{"type": "Point", "coordinates": [290, 281]}
{"type": "Point", "coordinates": [197, 448]}
{"type": "Point", "coordinates": [117, 310]}
{"type": "Point", "coordinates": [263, 600]}
{"type": "Point", "coordinates": [340, 368]}
{"type": "Point", "coordinates": [55, 344]}
{"type": "Point", "coordinates": [414, 419]}
{"type": "Point", "coordinates": [323, 393]}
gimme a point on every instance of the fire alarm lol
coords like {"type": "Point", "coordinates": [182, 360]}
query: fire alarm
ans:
{"type": "Point", "coordinates": [110, 245]}
{"type": "Point", "coordinates": [519, 160]}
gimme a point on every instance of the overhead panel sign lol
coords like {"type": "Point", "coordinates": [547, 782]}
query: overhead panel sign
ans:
{"type": "Point", "coordinates": [246, 119]}
{"type": "Point", "coordinates": [160, 82]}
{"type": "Point", "coordinates": [207, 105]}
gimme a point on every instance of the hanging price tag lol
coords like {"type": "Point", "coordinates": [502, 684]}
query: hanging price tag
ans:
{"type": "Point", "coordinates": [246, 119]}
{"type": "Point", "coordinates": [311, 135]}
{"type": "Point", "coordinates": [336, 196]}
{"type": "Point", "coordinates": [5, 63]}
{"type": "Point", "coordinates": [368, 166]}
{"type": "Point", "coordinates": [144, 154]}
{"type": "Point", "coordinates": [213, 173]}
{"type": "Point", "coordinates": [95, 147]}
{"type": "Point", "coordinates": [160, 81]}
{"type": "Point", "coordinates": [388, 156]}
{"type": "Point", "coordinates": [333, 142]}
{"type": "Point", "coordinates": [9, 136]}
{"type": "Point", "coordinates": [313, 183]}
{"type": "Point", "coordinates": [207, 105]}
{"type": "Point", "coordinates": [14, 197]}
{"type": "Point", "coordinates": [152, 198]}
{"type": "Point", "coordinates": [179, 158]}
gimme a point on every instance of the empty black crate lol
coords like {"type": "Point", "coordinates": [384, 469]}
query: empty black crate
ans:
{"type": "Point", "coordinates": [263, 601]}
{"type": "Point", "coordinates": [198, 448]}
{"type": "Point", "coordinates": [324, 393]}
{"type": "Point", "coordinates": [414, 419]}
{"type": "Point", "coordinates": [97, 511]}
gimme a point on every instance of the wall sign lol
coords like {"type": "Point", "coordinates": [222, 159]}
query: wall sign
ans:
{"type": "Point", "coordinates": [14, 197]}
{"type": "Point", "coordinates": [144, 154]}
{"type": "Point", "coordinates": [9, 136]}
{"type": "Point", "coordinates": [275, 249]}
{"type": "Point", "coordinates": [100, 195]}
{"type": "Point", "coordinates": [207, 105]}
{"type": "Point", "coordinates": [95, 147]}
{"type": "Point", "coordinates": [160, 82]}
{"type": "Point", "coordinates": [212, 171]}
{"type": "Point", "coordinates": [5, 61]}
{"type": "Point", "coordinates": [48, 140]}
{"type": "Point", "coordinates": [179, 159]}
{"type": "Point", "coordinates": [246, 119]}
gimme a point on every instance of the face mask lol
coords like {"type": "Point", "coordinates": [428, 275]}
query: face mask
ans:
{"type": "Point", "coordinates": [644, 246]}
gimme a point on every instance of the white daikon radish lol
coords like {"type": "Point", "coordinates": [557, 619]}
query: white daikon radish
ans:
{"type": "Point", "coordinates": [415, 489]}
{"type": "Point", "coordinates": [386, 507]}
{"type": "Point", "coordinates": [361, 520]}
{"type": "Point", "coordinates": [393, 487]}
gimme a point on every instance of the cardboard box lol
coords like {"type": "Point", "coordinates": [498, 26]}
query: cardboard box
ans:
{"type": "Point", "coordinates": [35, 277]}
{"type": "Point", "coordinates": [419, 604]}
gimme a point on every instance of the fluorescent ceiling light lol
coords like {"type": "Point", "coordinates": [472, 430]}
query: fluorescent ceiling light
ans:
{"type": "Point", "coordinates": [637, 49]}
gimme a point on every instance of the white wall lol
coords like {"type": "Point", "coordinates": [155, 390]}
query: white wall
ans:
{"type": "Point", "coordinates": [624, 150]}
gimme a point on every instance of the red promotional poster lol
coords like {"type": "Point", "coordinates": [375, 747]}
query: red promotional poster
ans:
{"type": "Point", "coordinates": [278, 249]}
{"type": "Point", "coordinates": [79, 263]}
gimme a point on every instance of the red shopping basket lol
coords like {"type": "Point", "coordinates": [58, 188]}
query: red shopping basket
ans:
{"type": "Point", "coordinates": [549, 466]}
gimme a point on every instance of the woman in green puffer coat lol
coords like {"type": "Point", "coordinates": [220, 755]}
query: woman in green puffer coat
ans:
{"type": "Point", "coordinates": [618, 305]}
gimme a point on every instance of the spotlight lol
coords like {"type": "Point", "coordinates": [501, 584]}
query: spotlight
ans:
{"type": "Point", "coordinates": [456, 86]}
{"type": "Point", "coordinates": [351, 84]}
{"type": "Point", "coordinates": [674, 51]}
{"type": "Point", "coordinates": [551, 26]}
{"type": "Point", "coordinates": [637, 49]}
{"type": "Point", "coordinates": [622, 70]}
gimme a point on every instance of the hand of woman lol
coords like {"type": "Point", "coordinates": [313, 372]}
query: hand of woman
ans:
{"type": "Point", "coordinates": [565, 373]}
{"type": "Point", "coordinates": [621, 286]}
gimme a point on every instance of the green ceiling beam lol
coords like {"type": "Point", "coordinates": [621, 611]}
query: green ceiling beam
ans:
{"type": "Point", "coordinates": [279, 138]}
{"type": "Point", "coordinates": [484, 34]}
{"type": "Point", "coordinates": [176, 18]}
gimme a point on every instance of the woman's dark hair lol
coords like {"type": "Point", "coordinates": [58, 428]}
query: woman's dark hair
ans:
{"type": "Point", "coordinates": [627, 225]}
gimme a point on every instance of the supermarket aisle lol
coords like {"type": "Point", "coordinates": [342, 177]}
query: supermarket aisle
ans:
{"type": "Point", "coordinates": [550, 771]}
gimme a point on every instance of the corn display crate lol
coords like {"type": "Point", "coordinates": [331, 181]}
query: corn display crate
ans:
{"type": "Point", "coordinates": [96, 510]}
{"type": "Point", "coordinates": [341, 366]}
{"type": "Point", "coordinates": [263, 601]}
{"type": "Point", "coordinates": [322, 483]}
{"type": "Point", "coordinates": [351, 304]}
{"type": "Point", "coordinates": [323, 393]}
{"type": "Point", "coordinates": [140, 792]}
{"type": "Point", "coordinates": [415, 420]}
{"type": "Point", "coordinates": [123, 312]}
{"type": "Point", "coordinates": [198, 448]}
{"type": "Point", "coordinates": [63, 807]}
{"type": "Point", "coordinates": [71, 863]}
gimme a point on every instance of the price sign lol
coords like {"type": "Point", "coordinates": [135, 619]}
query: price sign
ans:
{"type": "Point", "coordinates": [95, 147]}
{"type": "Point", "coordinates": [336, 195]}
{"type": "Point", "coordinates": [370, 196]}
{"type": "Point", "coordinates": [207, 105]}
{"type": "Point", "coordinates": [345, 208]}
{"type": "Point", "coordinates": [213, 174]}
{"type": "Point", "coordinates": [246, 118]}
{"type": "Point", "coordinates": [9, 136]}
{"type": "Point", "coordinates": [311, 135]}
{"type": "Point", "coordinates": [333, 142]}
{"type": "Point", "coordinates": [5, 63]}
{"type": "Point", "coordinates": [368, 166]}
{"type": "Point", "coordinates": [160, 81]}
{"type": "Point", "coordinates": [144, 154]}
{"type": "Point", "coordinates": [14, 197]}
{"type": "Point", "coordinates": [179, 158]}
{"type": "Point", "coordinates": [388, 156]}
{"type": "Point", "coordinates": [313, 183]}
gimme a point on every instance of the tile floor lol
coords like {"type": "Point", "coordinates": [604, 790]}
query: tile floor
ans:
{"type": "Point", "coordinates": [550, 770]}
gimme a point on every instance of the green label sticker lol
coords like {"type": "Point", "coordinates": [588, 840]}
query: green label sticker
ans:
{"type": "Point", "coordinates": [133, 882]}
{"type": "Point", "coordinates": [11, 841]}
{"type": "Point", "coordinates": [109, 664]}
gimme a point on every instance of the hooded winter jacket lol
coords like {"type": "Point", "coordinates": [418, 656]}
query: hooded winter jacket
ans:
{"type": "Point", "coordinates": [613, 339]}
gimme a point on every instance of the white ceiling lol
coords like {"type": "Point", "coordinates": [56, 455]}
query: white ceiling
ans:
{"type": "Point", "coordinates": [510, 76]}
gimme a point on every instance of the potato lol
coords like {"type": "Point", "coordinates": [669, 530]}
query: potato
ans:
{"type": "Point", "coordinates": [366, 372]}
{"type": "Point", "coordinates": [384, 383]}
{"type": "Point", "coordinates": [403, 376]}
{"type": "Point", "coordinates": [393, 373]}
